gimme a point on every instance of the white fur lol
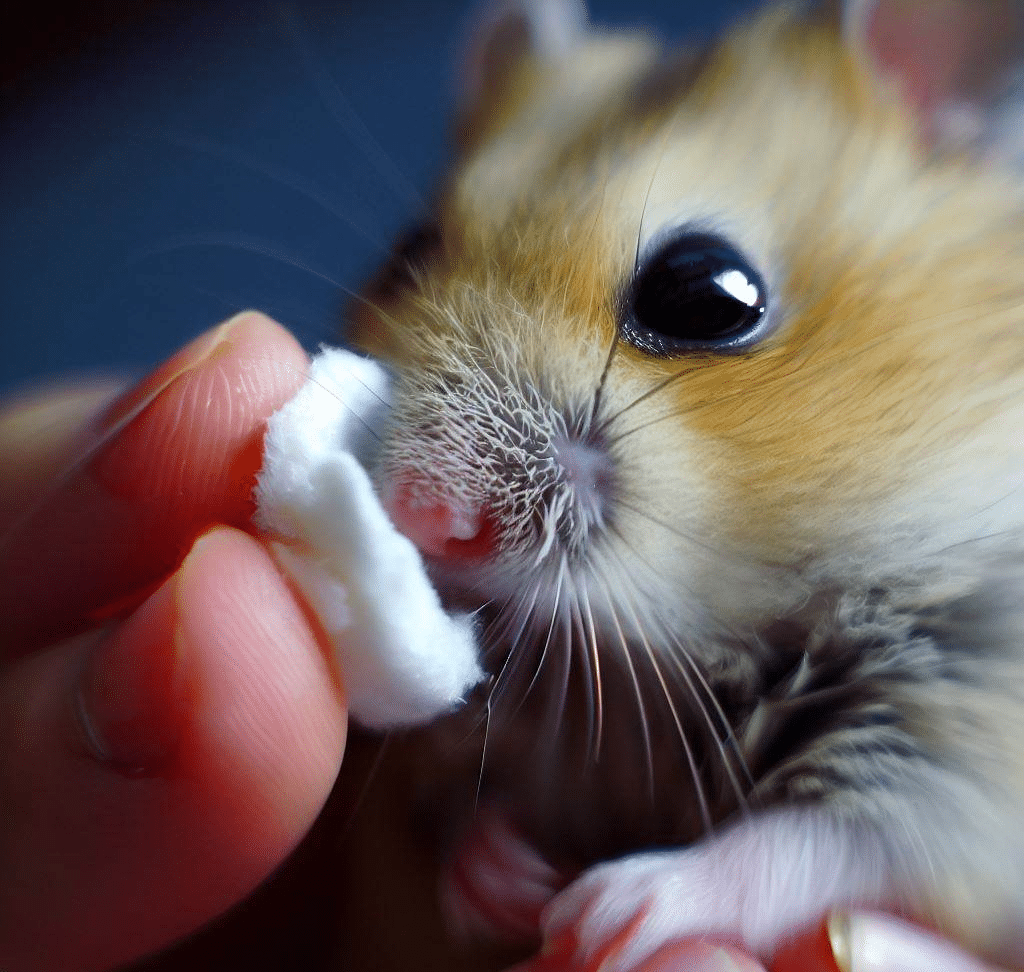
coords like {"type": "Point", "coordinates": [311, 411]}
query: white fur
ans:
{"type": "Point", "coordinates": [756, 884]}
{"type": "Point", "coordinates": [403, 660]}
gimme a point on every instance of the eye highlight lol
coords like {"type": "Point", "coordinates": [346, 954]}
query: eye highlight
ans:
{"type": "Point", "coordinates": [696, 292]}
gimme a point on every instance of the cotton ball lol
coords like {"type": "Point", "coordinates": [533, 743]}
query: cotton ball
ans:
{"type": "Point", "coordinates": [403, 659]}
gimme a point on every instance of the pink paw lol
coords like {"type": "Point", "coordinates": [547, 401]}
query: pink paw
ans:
{"type": "Point", "coordinates": [497, 884]}
{"type": "Point", "coordinates": [619, 914]}
{"type": "Point", "coordinates": [754, 886]}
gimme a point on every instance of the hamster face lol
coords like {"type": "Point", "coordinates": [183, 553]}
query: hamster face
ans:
{"type": "Point", "coordinates": [835, 470]}
{"type": "Point", "coordinates": [843, 446]}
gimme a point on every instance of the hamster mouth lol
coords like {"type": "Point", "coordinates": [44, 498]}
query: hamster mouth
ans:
{"type": "Point", "coordinates": [440, 528]}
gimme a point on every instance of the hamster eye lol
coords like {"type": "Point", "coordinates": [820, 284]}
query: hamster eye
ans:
{"type": "Point", "coordinates": [697, 292]}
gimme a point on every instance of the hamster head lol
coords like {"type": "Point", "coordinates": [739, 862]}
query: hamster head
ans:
{"type": "Point", "coordinates": [689, 338]}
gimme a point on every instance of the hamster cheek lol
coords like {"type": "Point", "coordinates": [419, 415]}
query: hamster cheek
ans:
{"type": "Point", "coordinates": [755, 885]}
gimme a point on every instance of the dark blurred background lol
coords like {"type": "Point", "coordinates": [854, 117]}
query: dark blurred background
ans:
{"type": "Point", "coordinates": [165, 163]}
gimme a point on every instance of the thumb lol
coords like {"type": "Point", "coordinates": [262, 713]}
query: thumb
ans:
{"type": "Point", "coordinates": [153, 775]}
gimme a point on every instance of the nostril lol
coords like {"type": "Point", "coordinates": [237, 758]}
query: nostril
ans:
{"type": "Point", "coordinates": [440, 528]}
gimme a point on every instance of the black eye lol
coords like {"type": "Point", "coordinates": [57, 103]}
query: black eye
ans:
{"type": "Point", "coordinates": [694, 293]}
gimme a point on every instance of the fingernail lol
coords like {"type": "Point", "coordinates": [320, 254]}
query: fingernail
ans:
{"type": "Point", "coordinates": [202, 348]}
{"type": "Point", "coordinates": [130, 699]}
{"type": "Point", "coordinates": [882, 943]}
{"type": "Point", "coordinates": [838, 929]}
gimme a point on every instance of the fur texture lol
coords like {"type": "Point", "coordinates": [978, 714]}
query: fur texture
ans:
{"type": "Point", "coordinates": [729, 590]}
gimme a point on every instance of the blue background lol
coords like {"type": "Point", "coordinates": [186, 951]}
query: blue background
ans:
{"type": "Point", "coordinates": [193, 159]}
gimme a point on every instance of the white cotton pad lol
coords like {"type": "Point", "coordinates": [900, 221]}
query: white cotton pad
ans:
{"type": "Point", "coordinates": [403, 659]}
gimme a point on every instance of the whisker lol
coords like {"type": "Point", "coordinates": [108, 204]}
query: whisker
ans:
{"type": "Point", "coordinates": [671, 528]}
{"type": "Point", "coordinates": [691, 760]}
{"type": "Point", "coordinates": [341, 109]}
{"type": "Point", "coordinates": [547, 640]}
{"type": "Point", "coordinates": [234, 301]}
{"type": "Point", "coordinates": [636, 264]}
{"type": "Point", "coordinates": [627, 655]}
{"type": "Point", "coordinates": [283, 177]}
{"type": "Point", "coordinates": [660, 386]}
{"type": "Point", "coordinates": [514, 657]}
{"type": "Point", "coordinates": [483, 757]}
{"type": "Point", "coordinates": [715, 732]}
{"type": "Point", "coordinates": [594, 670]}
{"type": "Point", "coordinates": [239, 241]}
{"type": "Point", "coordinates": [595, 402]}
{"type": "Point", "coordinates": [555, 715]}
{"type": "Point", "coordinates": [650, 188]}
{"type": "Point", "coordinates": [591, 688]}
{"type": "Point", "coordinates": [692, 676]}
{"type": "Point", "coordinates": [365, 787]}
{"type": "Point", "coordinates": [726, 746]}
{"type": "Point", "coordinates": [255, 244]}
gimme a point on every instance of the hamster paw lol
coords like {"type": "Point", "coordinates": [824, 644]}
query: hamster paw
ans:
{"type": "Point", "coordinates": [497, 884]}
{"type": "Point", "coordinates": [754, 886]}
{"type": "Point", "coordinates": [618, 914]}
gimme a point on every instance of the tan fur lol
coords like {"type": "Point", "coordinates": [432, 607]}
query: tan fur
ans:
{"type": "Point", "coordinates": [874, 436]}
{"type": "Point", "coordinates": [850, 409]}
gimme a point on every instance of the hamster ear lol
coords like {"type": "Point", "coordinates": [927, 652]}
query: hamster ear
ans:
{"type": "Point", "coordinates": [953, 60]}
{"type": "Point", "coordinates": [509, 41]}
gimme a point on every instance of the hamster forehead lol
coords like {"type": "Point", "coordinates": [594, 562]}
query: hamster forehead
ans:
{"type": "Point", "coordinates": [894, 359]}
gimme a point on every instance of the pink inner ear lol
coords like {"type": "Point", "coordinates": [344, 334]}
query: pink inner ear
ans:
{"type": "Point", "coordinates": [941, 52]}
{"type": "Point", "coordinates": [917, 44]}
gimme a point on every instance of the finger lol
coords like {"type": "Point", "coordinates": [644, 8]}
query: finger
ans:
{"type": "Point", "coordinates": [870, 942]}
{"type": "Point", "coordinates": [183, 454]}
{"type": "Point", "coordinates": [213, 732]}
{"type": "Point", "coordinates": [873, 942]}
{"type": "Point", "coordinates": [682, 956]}
{"type": "Point", "coordinates": [40, 433]}
{"type": "Point", "coordinates": [700, 956]}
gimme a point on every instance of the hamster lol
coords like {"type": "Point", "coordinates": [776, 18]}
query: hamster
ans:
{"type": "Point", "coordinates": [709, 388]}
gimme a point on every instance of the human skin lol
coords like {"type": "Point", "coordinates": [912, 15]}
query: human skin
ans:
{"type": "Point", "coordinates": [170, 725]}
{"type": "Point", "coordinates": [857, 941]}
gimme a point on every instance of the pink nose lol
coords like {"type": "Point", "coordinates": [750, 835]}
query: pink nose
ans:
{"type": "Point", "coordinates": [439, 528]}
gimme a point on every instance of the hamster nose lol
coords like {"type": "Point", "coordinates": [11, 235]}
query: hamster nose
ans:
{"type": "Point", "coordinates": [440, 528]}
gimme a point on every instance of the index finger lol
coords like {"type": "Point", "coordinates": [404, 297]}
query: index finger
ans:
{"type": "Point", "coordinates": [179, 454]}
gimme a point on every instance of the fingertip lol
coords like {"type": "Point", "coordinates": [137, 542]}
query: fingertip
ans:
{"type": "Point", "coordinates": [879, 942]}
{"type": "Point", "coordinates": [700, 956]}
{"type": "Point", "coordinates": [249, 332]}
{"type": "Point", "coordinates": [195, 440]}
{"type": "Point", "coordinates": [822, 948]}
{"type": "Point", "coordinates": [181, 453]}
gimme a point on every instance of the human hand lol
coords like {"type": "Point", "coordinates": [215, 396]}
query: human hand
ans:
{"type": "Point", "coordinates": [845, 942]}
{"type": "Point", "coordinates": [169, 725]}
